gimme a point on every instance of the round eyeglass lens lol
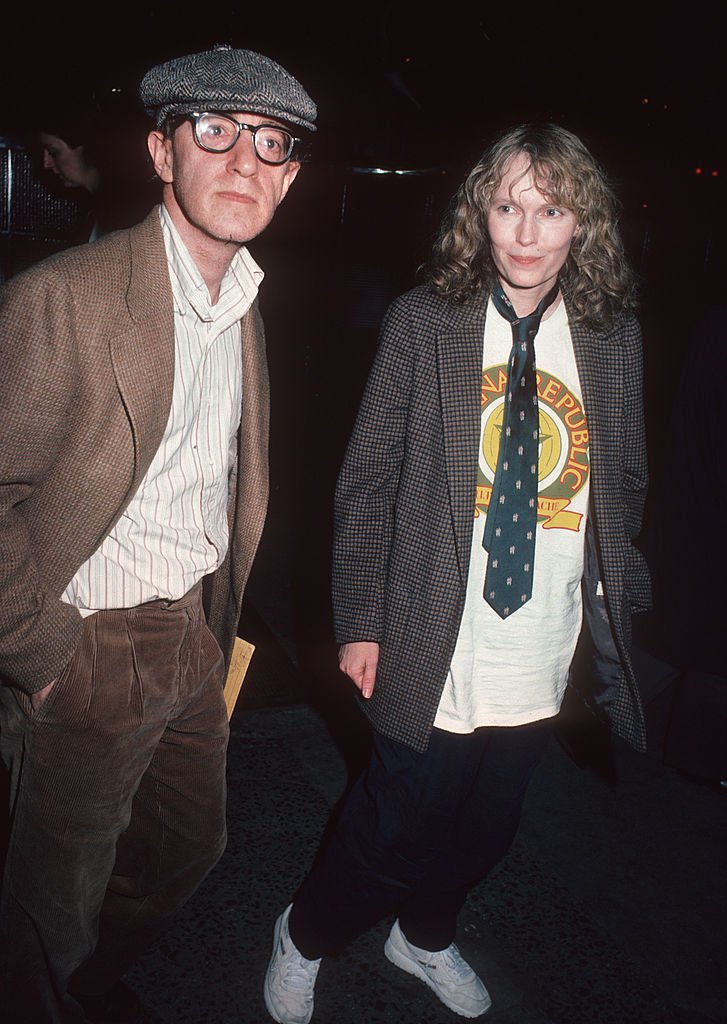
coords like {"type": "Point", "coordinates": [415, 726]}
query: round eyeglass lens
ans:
{"type": "Point", "coordinates": [218, 134]}
{"type": "Point", "coordinates": [273, 144]}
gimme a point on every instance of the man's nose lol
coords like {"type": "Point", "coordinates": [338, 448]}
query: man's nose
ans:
{"type": "Point", "coordinates": [47, 160]}
{"type": "Point", "coordinates": [242, 158]}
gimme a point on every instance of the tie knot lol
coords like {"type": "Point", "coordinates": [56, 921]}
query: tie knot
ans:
{"type": "Point", "coordinates": [524, 325]}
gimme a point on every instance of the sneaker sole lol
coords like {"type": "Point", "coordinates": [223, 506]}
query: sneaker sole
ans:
{"type": "Point", "coordinates": [404, 962]}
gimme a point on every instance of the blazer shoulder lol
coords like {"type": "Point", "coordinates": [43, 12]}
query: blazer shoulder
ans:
{"type": "Point", "coordinates": [626, 325]}
{"type": "Point", "coordinates": [624, 331]}
{"type": "Point", "coordinates": [423, 303]}
{"type": "Point", "coordinates": [100, 284]}
{"type": "Point", "coordinates": [106, 259]}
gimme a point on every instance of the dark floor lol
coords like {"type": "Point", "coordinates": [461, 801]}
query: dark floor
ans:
{"type": "Point", "coordinates": [611, 907]}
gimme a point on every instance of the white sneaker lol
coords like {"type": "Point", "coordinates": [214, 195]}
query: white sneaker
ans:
{"type": "Point", "coordinates": [290, 979]}
{"type": "Point", "coordinates": [447, 974]}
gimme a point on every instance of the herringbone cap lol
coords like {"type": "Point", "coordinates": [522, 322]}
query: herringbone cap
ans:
{"type": "Point", "coordinates": [226, 79]}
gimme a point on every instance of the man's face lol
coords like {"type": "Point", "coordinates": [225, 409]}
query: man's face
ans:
{"type": "Point", "coordinates": [219, 197]}
{"type": "Point", "coordinates": [530, 237]}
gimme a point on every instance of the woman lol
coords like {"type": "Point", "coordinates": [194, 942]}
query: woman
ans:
{"type": "Point", "coordinates": [522, 340]}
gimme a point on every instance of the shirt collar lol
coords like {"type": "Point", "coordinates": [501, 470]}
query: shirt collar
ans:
{"type": "Point", "coordinates": [238, 290]}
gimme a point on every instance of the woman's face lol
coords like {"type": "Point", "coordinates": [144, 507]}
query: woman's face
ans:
{"type": "Point", "coordinates": [530, 237]}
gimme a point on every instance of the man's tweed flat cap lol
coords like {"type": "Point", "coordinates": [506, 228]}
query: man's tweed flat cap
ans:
{"type": "Point", "coordinates": [226, 79]}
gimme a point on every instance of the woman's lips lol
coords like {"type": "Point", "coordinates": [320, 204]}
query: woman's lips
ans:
{"type": "Point", "coordinates": [525, 261]}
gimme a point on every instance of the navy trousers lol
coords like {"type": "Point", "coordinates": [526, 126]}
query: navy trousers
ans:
{"type": "Point", "coordinates": [415, 834]}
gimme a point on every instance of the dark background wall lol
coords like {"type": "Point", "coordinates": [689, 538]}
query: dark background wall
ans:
{"type": "Point", "coordinates": [400, 89]}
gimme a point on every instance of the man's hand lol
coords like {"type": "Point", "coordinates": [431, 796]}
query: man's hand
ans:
{"type": "Point", "coordinates": [359, 660]}
{"type": "Point", "coordinates": [36, 699]}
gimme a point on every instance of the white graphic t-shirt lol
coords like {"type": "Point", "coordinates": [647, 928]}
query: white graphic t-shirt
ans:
{"type": "Point", "coordinates": [511, 671]}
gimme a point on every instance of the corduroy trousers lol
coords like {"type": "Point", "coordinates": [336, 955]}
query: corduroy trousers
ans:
{"type": "Point", "coordinates": [117, 803]}
{"type": "Point", "coordinates": [415, 834]}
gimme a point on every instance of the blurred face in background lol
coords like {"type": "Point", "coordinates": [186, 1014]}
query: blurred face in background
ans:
{"type": "Point", "coordinates": [68, 163]}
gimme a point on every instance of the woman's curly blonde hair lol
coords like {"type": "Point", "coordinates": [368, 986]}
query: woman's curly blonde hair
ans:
{"type": "Point", "coordinates": [597, 277]}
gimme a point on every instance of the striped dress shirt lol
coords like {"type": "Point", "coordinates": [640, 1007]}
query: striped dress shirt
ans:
{"type": "Point", "coordinates": [174, 531]}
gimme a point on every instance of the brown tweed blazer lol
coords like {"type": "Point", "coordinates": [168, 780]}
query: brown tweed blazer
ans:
{"type": "Point", "coordinates": [87, 369]}
{"type": "Point", "coordinates": [404, 509]}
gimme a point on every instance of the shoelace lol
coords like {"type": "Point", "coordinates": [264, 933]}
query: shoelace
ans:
{"type": "Point", "coordinates": [294, 977]}
{"type": "Point", "coordinates": [294, 974]}
{"type": "Point", "coordinates": [452, 959]}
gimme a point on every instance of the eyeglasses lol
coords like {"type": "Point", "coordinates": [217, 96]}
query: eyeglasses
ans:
{"type": "Point", "coordinates": [217, 134]}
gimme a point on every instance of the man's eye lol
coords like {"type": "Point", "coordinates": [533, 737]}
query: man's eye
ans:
{"type": "Point", "coordinates": [217, 131]}
{"type": "Point", "coordinates": [273, 143]}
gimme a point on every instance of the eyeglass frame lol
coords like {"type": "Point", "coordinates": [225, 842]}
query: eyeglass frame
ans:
{"type": "Point", "coordinates": [195, 115]}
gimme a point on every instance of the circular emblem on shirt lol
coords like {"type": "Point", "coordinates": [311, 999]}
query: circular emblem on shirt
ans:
{"type": "Point", "coordinates": [563, 464]}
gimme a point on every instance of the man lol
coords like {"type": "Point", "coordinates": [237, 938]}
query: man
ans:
{"type": "Point", "coordinates": [133, 489]}
{"type": "Point", "coordinates": [459, 637]}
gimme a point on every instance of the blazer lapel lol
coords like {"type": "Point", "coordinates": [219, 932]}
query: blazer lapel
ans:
{"type": "Point", "coordinates": [599, 359]}
{"type": "Point", "coordinates": [142, 354]}
{"type": "Point", "coordinates": [252, 469]}
{"type": "Point", "coordinates": [249, 492]}
{"type": "Point", "coordinates": [459, 365]}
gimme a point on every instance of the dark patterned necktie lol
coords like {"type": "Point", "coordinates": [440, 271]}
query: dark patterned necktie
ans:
{"type": "Point", "coordinates": [509, 535]}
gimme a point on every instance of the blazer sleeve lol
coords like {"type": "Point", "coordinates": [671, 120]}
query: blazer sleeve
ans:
{"type": "Point", "coordinates": [365, 496]}
{"type": "Point", "coordinates": [635, 476]}
{"type": "Point", "coordinates": [38, 632]}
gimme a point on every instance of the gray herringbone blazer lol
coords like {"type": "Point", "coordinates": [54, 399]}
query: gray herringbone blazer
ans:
{"type": "Point", "coordinates": [404, 508]}
{"type": "Point", "coordinates": [87, 356]}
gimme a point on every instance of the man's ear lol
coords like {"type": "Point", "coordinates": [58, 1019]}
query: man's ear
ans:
{"type": "Point", "coordinates": [160, 150]}
{"type": "Point", "coordinates": [291, 172]}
